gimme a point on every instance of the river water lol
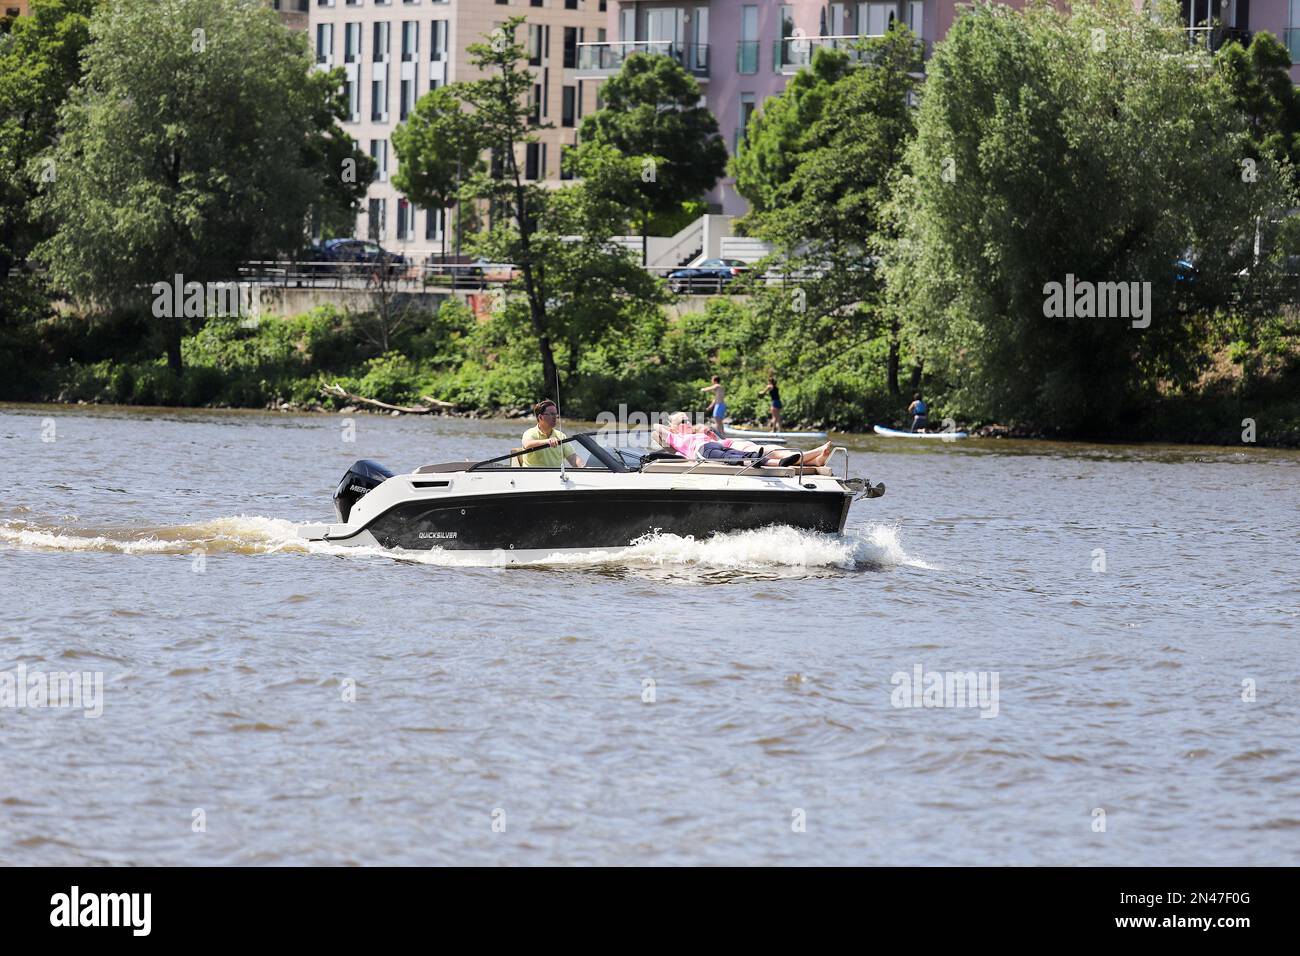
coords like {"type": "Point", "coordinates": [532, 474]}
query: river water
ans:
{"type": "Point", "coordinates": [1129, 613]}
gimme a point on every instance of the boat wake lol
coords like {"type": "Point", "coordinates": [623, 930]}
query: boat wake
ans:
{"type": "Point", "coordinates": [779, 549]}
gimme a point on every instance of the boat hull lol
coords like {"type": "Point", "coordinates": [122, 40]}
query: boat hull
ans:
{"type": "Point", "coordinates": [591, 519]}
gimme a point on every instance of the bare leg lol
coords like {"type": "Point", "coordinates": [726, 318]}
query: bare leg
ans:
{"type": "Point", "coordinates": [818, 455]}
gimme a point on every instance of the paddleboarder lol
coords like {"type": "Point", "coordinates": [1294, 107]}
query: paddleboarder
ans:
{"type": "Point", "coordinates": [774, 396]}
{"type": "Point", "coordinates": [920, 413]}
{"type": "Point", "coordinates": [718, 406]}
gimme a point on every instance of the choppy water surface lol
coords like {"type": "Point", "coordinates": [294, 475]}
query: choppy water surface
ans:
{"type": "Point", "coordinates": [158, 549]}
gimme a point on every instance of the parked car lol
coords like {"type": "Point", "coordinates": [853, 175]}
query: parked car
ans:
{"type": "Point", "coordinates": [361, 254]}
{"type": "Point", "coordinates": [711, 275]}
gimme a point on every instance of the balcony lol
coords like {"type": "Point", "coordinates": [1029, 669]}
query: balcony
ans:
{"type": "Point", "coordinates": [1214, 36]}
{"type": "Point", "coordinates": [604, 59]}
{"type": "Point", "coordinates": [792, 54]}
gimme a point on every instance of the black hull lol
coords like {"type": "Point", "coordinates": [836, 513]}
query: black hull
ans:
{"type": "Point", "coordinates": [523, 521]}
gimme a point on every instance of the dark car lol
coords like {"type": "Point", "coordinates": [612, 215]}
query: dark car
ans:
{"type": "Point", "coordinates": [711, 275]}
{"type": "Point", "coordinates": [356, 255]}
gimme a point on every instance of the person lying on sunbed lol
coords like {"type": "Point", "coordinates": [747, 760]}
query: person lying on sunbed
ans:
{"type": "Point", "coordinates": [702, 442]}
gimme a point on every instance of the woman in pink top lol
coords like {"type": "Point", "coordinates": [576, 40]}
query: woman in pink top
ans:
{"type": "Point", "coordinates": [697, 441]}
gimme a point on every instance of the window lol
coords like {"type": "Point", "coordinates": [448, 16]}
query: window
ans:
{"type": "Point", "coordinates": [379, 51]}
{"type": "Point", "coordinates": [568, 105]}
{"type": "Point", "coordinates": [433, 223]}
{"type": "Point", "coordinates": [352, 43]}
{"type": "Point", "coordinates": [438, 40]}
{"type": "Point", "coordinates": [352, 56]}
{"type": "Point", "coordinates": [405, 220]}
{"type": "Point", "coordinates": [406, 97]}
{"type": "Point", "coordinates": [377, 214]}
{"type": "Point", "coordinates": [747, 49]}
{"type": "Point", "coordinates": [570, 48]}
{"type": "Point", "coordinates": [874, 18]}
{"type": "Point", "coordinates": [839, 25]}
{"type": "Point", "coordinates": [379, 153]}
{"type": "Point", "coordinates": [746, 111]}
{"type": "Point", "coordinates": [536, 117]}
{"type": "Point", "coordinates": [379, 98]}
{"type": "Point", "coordinates": [535, 44]}
{"type": "Point", "coordinates": [565, 171]}
{"type": "Point", "coordinates": [916, 17]}
{"type": "Point", "coordinates": [325, 43]}
{"type": "Point", "coordinates": [324, 3]}
{"type": "Point", "coordinates": [570, 4]}
{"type": "Point", "coordinates": [533, 161]}
{"type": "Point", "coordinates": [410, 40]}
{"type": "Point", "coordinates": [535, 3]}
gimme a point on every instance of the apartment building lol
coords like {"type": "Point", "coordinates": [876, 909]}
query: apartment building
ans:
{"type": "Point", "coordinates": [395, 51]}
{"type": "Point", "coordinates": [743, 51]}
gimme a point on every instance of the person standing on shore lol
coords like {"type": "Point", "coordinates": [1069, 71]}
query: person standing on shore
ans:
{"type": "Point", "coordinates": [718, 407]}
{"type": "Point", "coordinates": [774, 396]}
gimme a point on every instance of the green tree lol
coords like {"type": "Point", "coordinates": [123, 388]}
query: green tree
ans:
{"type": "Point", "coordinates": [199, 137]}
{"type": "Point", "coordinates": [1259, 79]}
{"type": "Point", "coordinates": [500, 103]}
{"type": "Point", "coordinates": [818, 165]}
{"type": "Point", "coordinates": [1093, 145]}
{"type": "Point", "coordinates": [575, 283]}
{"type": "Point", "coordinates": [438, 149]}
{"type": "Point", "coordinates": [653, 113]}
{"type": "Point", "coordinates": [40, 61]}
{"type": "Point", "coordinates": [781, 133]}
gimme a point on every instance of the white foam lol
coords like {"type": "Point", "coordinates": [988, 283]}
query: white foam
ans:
{"type": "Point", "coordinates": [767, 548]}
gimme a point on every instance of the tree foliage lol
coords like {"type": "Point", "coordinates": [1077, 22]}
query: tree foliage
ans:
{"type": "Point", "coordinates": [438, 149]}
{"type": "Point", "coordinates": [654, 114]}
{"type": "Point", "coordinates": [199, 137]}
{"type": "Point", "coordinates": [1095, 145]}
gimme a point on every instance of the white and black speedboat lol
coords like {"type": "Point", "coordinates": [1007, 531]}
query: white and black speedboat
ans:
{"type": "Point", "coordinates": [619, 496]}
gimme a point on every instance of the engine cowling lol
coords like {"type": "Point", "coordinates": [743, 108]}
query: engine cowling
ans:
{"type": "Point", "coordinates": [362, 478]}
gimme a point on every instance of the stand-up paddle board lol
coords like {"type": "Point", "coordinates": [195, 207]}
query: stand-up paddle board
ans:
{"type": "Point", "coordinates": [895, 433]}
{"type": "Point", "coordinates": [753, 434]}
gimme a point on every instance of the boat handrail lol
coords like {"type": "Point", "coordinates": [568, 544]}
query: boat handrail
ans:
{"type": "Point", "coordinates": [834, 449]}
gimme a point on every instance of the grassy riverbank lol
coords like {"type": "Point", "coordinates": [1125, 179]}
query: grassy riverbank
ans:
{"type": "Point", "coordinates": [491, 368]}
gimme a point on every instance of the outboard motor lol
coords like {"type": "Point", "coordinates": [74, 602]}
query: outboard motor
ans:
{"type": "Point", "coordinates": [362, 478]}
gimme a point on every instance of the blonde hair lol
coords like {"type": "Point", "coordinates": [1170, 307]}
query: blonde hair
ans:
{"type": "Point", "coordinates": [678, 418]}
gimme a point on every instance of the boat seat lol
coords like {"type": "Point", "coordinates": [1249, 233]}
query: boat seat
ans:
{"type": "Point", "coordinates": [682, 465]}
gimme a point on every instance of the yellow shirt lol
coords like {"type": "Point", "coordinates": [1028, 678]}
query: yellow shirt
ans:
{"type": "Point", "coordinates": [546, 457]}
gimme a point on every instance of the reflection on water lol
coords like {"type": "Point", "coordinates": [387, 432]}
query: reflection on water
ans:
{"type": "Point", "coordinates": [1139, 604]}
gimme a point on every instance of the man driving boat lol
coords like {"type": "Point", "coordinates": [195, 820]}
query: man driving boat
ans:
{"type": "Point", "coordinates": [546, 438]}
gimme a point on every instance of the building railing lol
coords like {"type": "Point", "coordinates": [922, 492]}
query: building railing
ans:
{"type": "Point", "coordinates": [747, 56]}
{"type": "Point", "coordinates": [791, 54]}
{"type": "Point", "coordinates": [1213, 36]}
{"type": "Point", "coordinates": [609, 57]}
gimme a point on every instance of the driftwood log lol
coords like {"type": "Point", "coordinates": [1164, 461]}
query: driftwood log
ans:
{"type": "Point", "coordinates": [432, 404]}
